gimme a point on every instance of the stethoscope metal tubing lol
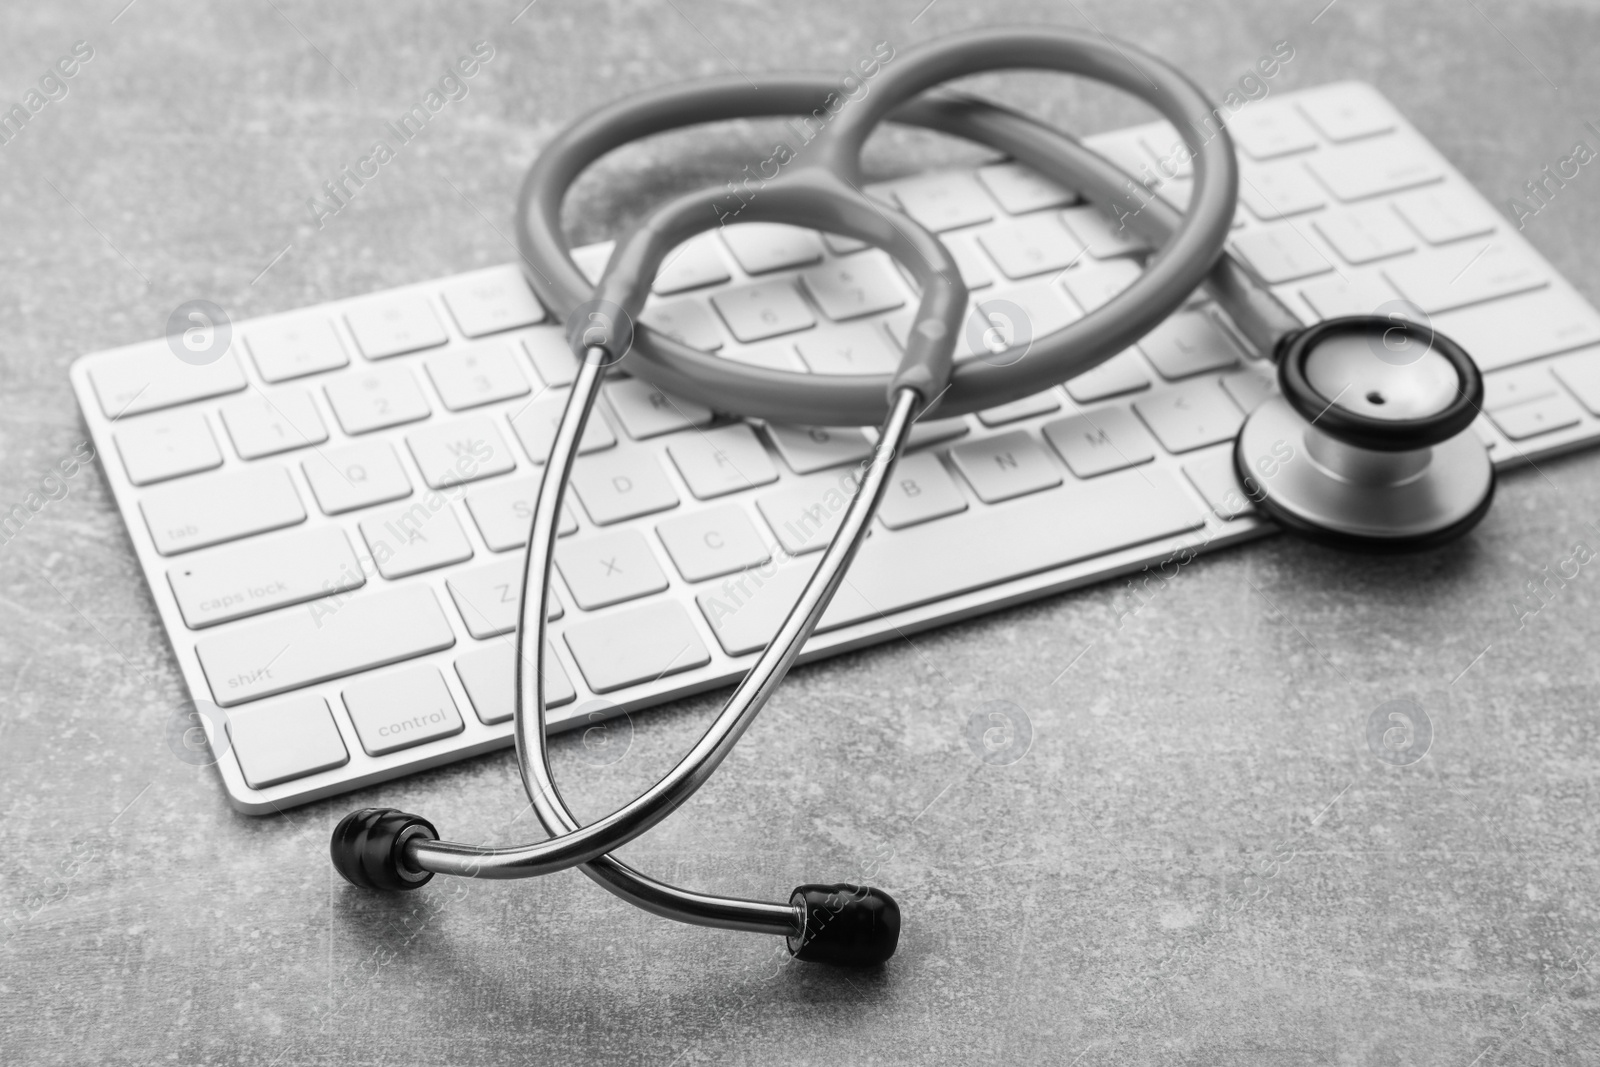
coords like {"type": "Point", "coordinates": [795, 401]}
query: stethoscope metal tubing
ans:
{"type": "Point", "coordinates": [586, 846]}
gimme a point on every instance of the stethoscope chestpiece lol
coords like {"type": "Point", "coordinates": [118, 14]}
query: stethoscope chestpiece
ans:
{"type": "Point", "coordinates": [1370, 446]}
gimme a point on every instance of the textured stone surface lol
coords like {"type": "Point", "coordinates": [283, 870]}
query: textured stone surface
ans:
{"type": "Point", "coordinates": [1198, 861]}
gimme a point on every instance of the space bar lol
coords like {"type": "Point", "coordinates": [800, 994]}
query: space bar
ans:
{"type": "Point", "coordinates": [325, 639]}
{"type": "Point", "coordinates": [1035, 533]}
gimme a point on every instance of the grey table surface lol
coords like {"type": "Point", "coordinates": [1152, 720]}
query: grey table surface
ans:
{"type": "Point", "coordinates": [1199, 860]}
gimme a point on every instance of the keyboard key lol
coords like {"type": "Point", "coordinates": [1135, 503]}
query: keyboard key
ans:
{"type": "Point", "coordinates": [1172, 157]}
{"type": "Point", "coordinates": [721, 461]}
{"type": "Point", "coordinates": [1188, 343]}
{"type": "Point", "coordinates": [1271, 131]}
{"type": "Point", "coordinates": [295, 347]}
{"type": "Point", "coordinates": [692, 265]}
{"type": "Point", "coordinates": [551, 357]}
{"type": "Point", "coordinates": [1534, 417]}
{"type": "Point", "coordinates": [1443, 215]}
{"type": "Point", "coordinates": [489, 598]}
{"type": "Point", "coordinates": [264, 424]}
{"type": "Point", "coordinates": [745, 612]}
{"type": "Point", "coordinates": [1249, 389]}
{"type": "Point", "coordinates": [284, 740]}
{"type": "Point", "coordinates": [1103, 237]}
{"type": "Point", "coordinates": [1516, 329]}
{"type": "Point", "coordinates": [376, 399]}
{"type": "Point", "coordinates": [535, 426]}
{"type": "Point", "coordinates": [462, 450]}
{"type": "Point", "coordinates": [1006, 465]}
{"type": "Point", "coordinates": [622, 485]}
{"type": "Point", "coordinates": [165, 446]}
{"type": "Point", "coordinates": [1365, 233]}
{"type": "Point", "coordinates": [813, 448]}
{"type": "Point", "coordinates": [920, 490]}
{"type": "Point", "coordinates": [763, 246]}
{"type": "Point", "coordinates": [489, 675]}
{"type": "Point", "coordinates": [1373, 168]}
{"type": "Point", "coordinates": [712, 542]}
{"type": "Point", "coordinates": [686, 321]}
{"type": "Point", "coordinates": [410, 540]}
{"type": "Point", "coordinates": [1109, 439]}
{"type": "Point", "coordinates": [1212, 474]}
{"type": "Point", "coordinates": [1580, 372]}
{"type": "Point", "coordinates": [1176, 192]}
{"type": "Point", "coordinates": [1095, 283]}
{"type": "Point", "coordinates": [944, 201]}
{"type": "Point", "coordinates": [646, 411]}
{"type": "Point", "coordinates": [1444, 281]}
{"type": "Point", "coordinates": [1280, 190]}
{"type": "Point", "coordinates": [805, 514]}
{"type": "Point", "coordinates": [641, 645]}
{"type": "Point", "coordinates": [767, 309]}
{"type": "Point", "coordinates": [504, 513]}
{"type": "Point", "coordinates": [1045, 310]}
{"type": "Point", "coordinates": [401, 708]}
{"type": "Point", "coordinates": [220, 507]}
{"type": "Point", "coordinates": [1190, 416]}
{"type": "Point", "coordinates": [854, 348]}
{"type": "Point", "coordinates": [1122, 147]}
{"type": "Point", "coordinates": [1343, 115]}
{"type": "Point", "coordinates": [1026, 247]}
{"type": "Point", "coordinates": [149, 377]}
{"type": "Point", "coordinates": [608, 568]}
{"type": "Point", "coordinates": [1505, 388]}
{"type": "Point", "coordinates": [1122, 373]}
{"type": "Point", "coordinates": [355, 476]}
{"type": "Point", "coordinates": [1351, 294]}
{"type": "Point", "coordinates": [269, 572]}
{"type": "Point", "coordinates": [1029, 406]}
{"type": "Point", "coordinates": [481, 374]}
{"type": "Point", "coordinates": [976, 273]}
{"type": "Point", "coordinates": [301, 646]}
{"type": "Point", "coordinates": [1279, 252]}
{"type": "Point", "coordinates": [492, 301]}
{"type": "Point", "coordinates": [856, 286]}
{"type": "Point", "coordinates": [1021, 190]}
{"type": "Point", "coordinates": [392, 325]}
{"type": "Point", "coordinates": [915, 566]}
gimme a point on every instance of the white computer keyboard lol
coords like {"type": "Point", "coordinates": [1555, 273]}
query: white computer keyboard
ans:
{"type": "Point", "coordinates": [330, 515]}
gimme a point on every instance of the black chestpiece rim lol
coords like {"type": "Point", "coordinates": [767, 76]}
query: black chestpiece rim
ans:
{"type": "Point", "coordinates": [845, 925]}
{"type": "Point", "coordinates": [368, 848]}
{"type": "Point", "coordinates": [1361, 431]}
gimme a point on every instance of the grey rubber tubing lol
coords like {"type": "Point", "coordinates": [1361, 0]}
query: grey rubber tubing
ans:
{"type": "Point", "coordinates": [1046, 150]}
{"type": "Point", "coordinates": [1189, 245]}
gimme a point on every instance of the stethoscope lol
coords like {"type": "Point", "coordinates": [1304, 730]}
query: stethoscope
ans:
{"type": "Point", "coordinates": [1367, 446]}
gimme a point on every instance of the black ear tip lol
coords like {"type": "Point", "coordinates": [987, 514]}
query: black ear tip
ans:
{"type": "Point", "coordinates": [368, 848]}
{"type": "Point", "coordinates": [845, 925]}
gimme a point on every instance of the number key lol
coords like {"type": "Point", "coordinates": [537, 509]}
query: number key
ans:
{"type": "Point", "coordinates": [383, 396]}
{"type": "Point", "coordinates": [478, 375]}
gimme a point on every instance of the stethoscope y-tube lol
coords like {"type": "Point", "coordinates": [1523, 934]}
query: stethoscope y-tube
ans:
{"type": "Point", "coordinates": [838, 923]}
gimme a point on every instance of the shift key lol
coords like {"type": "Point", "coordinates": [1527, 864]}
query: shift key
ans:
{"type": "Point", "coordinates": [325, 639]}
